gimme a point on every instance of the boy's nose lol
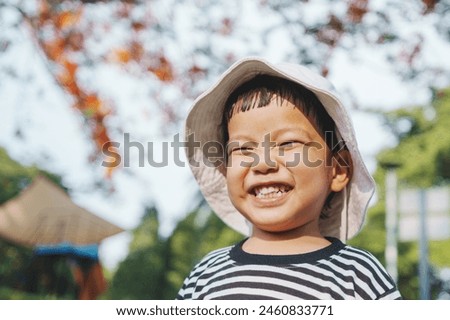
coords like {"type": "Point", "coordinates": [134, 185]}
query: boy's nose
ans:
{"type": "Point", "coordinates": [266, 163]}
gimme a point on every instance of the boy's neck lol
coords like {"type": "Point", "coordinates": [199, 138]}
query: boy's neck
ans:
{"type": "Point", "coordinates": [284, 244]}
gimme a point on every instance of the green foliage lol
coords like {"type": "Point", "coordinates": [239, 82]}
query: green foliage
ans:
{"type": "Point", "coordinates": [217, 235]}
{"type": "Point", "coordinates": [7, 293]}
{"type": "Point", "coordinates": [15, 259]}
{"type": "Point", "coordinates": [141, 274]}
{"type": "Point", "coordinates": [408, 270]}
{"type": "Point", "coordinates": [423, 152]}
{"type": "Point", "coordinates": [373, 235]}
{"type": "Point", "coordinates": [14, 177]}
{"type": "Point", "coordinates": [373, 239]}
{"type": "Point", "coordinates": [146, 234]}
{"type": "Point", "coordinates": [423, 159]}
{"type": "Point", "coordinates": [49, 276]}
{"type": "Point", "coordinates": [14, 262]}
{"type": "Point", "coordinates": [440, 253]}
{"type": "Point", "coordinates": [184, 246]}
{"type": "Point", "coordinates": [155, 268]}
{"type": "Point", "coordinates": [200, 233]}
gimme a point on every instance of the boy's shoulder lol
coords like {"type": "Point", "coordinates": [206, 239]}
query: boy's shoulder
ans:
{"type": "Point", "coordinates": [218, 252]}
{"type": "Point", "coordinates": [354, 253]}
{"type": "Point", "coordinates": [214, 256]}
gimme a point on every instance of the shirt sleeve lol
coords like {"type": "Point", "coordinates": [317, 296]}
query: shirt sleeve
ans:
{"type": "Point", "coordinates": [392, 294]}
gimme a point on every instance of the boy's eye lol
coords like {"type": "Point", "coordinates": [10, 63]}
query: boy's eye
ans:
{"type": "Point", "coordinates": [241, 150]}
{"type": "Point", "coordinates": [289, 144]}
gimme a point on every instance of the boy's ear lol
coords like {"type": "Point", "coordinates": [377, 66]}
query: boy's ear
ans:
{"type": "Point", "coordinates": [342, 170]}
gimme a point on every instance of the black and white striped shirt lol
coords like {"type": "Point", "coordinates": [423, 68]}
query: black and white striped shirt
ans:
{"type": "Point", "coordinates": [338, 271]}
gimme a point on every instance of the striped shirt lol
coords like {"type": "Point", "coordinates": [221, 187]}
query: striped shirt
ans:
{"type": "Point", "coordinates": [337, 271]}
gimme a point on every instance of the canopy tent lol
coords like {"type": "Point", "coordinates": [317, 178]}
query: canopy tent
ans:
{"type": "Point", "coordinates": [43, 214]}
{"type": "Point", "coordinates": [44, 217]}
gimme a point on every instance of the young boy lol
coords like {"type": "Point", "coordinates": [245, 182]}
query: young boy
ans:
{"type": "Point", "coordinates": [291, 178]}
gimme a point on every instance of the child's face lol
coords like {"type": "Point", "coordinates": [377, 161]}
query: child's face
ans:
{"type": "Point", "coordinates": [282, 187]}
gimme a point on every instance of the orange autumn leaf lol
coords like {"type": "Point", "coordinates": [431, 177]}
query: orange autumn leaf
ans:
{"type": "Point", "coordinates": [71, 67]}
{"type": "Point", "coordinates": [163, 74]}
{"type": "Point", "coordinates": [357, 10]}
{"type": "Point", "coordinates": [125, 55]}
{"type": "Point", "coordinates": [332, 32]}
{"type": "Point", "coordinates": [73, 88]}
{"type": "Point", "coordinates": [137, 26]}
{"type": "Point", "coordinates": [100, 135]}
{"type": "Point", "coordinates": [67, 78]}
{"type": "Point", "coordinates": [44, 12]}
{"type": "Point", "coordinates": [163, 70]}
{"type": "Point", "coordinates": [75, 41]}
{"type": "Point", "coordinates": [196, 70]}
{"type": "Point", "coordinates": [112, 157]}
{"type": "Point", "coordinates": [67, 19]}
{"type": "Point", "coordinates": [136, 51]}
{"type": "Point", "coordinates": [68, 83]}
{"type": "Point", "coordinates": [324, 71]}
{"type": "Point", "coordinates": [54, 49]}
{"type": "Point", "coordinates": [92, 102]}
{"type": "Point", "coordinates": [429, 5]}
{"type": "Point", "coordinates": [122, 55]}
{"type": "Point", "coordinates": [124, 10]}
{"type": "Point", "coordinates": [108, 172]}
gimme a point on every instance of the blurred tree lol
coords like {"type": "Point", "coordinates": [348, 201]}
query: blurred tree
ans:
{"type": "Point", "coordinates": [13, 176]}
{"type": "Point", "coordinates": [15, 259]}
{"type": "Point", "coordinates": [424, 143]}
{"type": "Point", "coordinates": [142, 274]}
{"type": "Point", "coordinates": [195, 236]}
{"type": "Point", "coordinates": [155, 268]}
{"type": "Point", "coordinates": [423, 153]}
{"type": "Point", "coordinates": [175, 46]}
{"type": "Point", "coordinates": [184, 246]}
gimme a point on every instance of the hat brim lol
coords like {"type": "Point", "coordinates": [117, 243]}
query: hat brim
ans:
{"type": "Point", "coordinates": [347, 210]}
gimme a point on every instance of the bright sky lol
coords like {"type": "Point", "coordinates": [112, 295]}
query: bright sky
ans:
{"type": "Point", "coordinates": [53, 139]}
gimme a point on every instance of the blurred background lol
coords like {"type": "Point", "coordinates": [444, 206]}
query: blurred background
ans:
{"type": "Point", "coordinates": [86, 83]}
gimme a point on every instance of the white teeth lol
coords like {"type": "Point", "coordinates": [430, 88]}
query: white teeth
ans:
{"type": "Point", "coordinates": [270, 192]}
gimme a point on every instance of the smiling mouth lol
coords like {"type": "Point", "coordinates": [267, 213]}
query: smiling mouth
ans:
{"type": "Point", "coordinates": [271, 191]}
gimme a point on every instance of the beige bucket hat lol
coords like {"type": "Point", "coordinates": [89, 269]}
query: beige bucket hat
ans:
{"type": "Point", "coordinates": [346, 214]}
